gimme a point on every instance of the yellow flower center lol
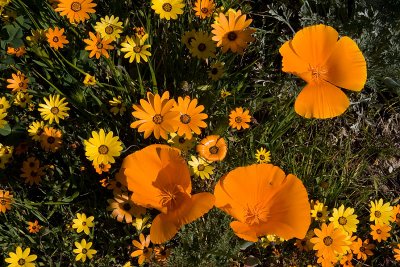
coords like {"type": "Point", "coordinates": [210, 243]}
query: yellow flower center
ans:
{"type": "Point", "coordinates": [201, 47]}
{"type": "Point", "coordinates": [318, 72]}
{"type": "Point", "coordinates": [51, 140]}
{"type": "Point", "coordinates": [185, 118]}
{"type": "Point", "coordinates": [158, 119]}
{"type": "Point", "coordinates": [328, 240]}
{"type": "Point", "coordinates": [137, 49]}
{"type": "Point", "coordinates": [109, 29]}
{"type": "Point", "coordinates": [213, 150]}
{"type": "Point", "coordinates": [84, 251]}
{"type": "Point", "coordinates": [379, 231]}
{"type": "Point", "coordinates": [255, 215]}
{"type": "Point", "coordinates": [204, 10]}
{"type": "Point", "coordinates": [76, 6]}
{"type": "Point", "coordinates": [21, 262]}
{"type": "Point", "coordinates": [342, 220]}
{"type": "Point", "coordinates": [238, 119]}
{"type": "Point", "coordinates": [54, 110]}
{"type": "Point", "coordinates": [167, 7]}
{"type": "Point", "coordinates": [201, 167]}
{"type": "Point", "coordinates": [232, 36]}
{"type": "Point", "coordinates": [103, 149]}
{"type": "Point", "coordinates": [377, 214]}
{"type": "Point", "coordinates": [55, 39]}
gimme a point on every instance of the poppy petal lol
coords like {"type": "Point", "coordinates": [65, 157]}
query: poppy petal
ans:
{"type": "Point", "coordinates": [198, 205]}
{"type": "Point", "coordinates": [244, 231]}
{"type": "Point", "coordinates": [292, 63]}
{"type": "Point", "coordinates": [163, 228]}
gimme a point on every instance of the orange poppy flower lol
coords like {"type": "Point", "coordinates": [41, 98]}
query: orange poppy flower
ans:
{"type": "Point", "coordinates": [239, 118]}
{"type": "Point", "coordinates": [191, 118]}
{"type": "Point", "coordinates": [18, 82]}
{"type": "Point", "coordinates": [325, 62]}
{"type": "Point", "coordinates": [264, 200]}
{"type": "Point", "coordinates": [18, 52]}
{"type": "Point", "coordinates": [155, 116]}
{"type": "Point", "coordinates": [212, 148]}
{"type": "Point", "coordinates": [76, 10]}
{"type": "Point", "coordinates": [98, 46]}
{"type": "Point", "coordinates": [160, 179]}
{"type": "Point", "coordinates": [56, 38]}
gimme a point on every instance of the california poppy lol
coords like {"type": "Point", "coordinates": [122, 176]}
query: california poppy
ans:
{"type": "Point", "coordinates": [264, 200]}
{"type": "Point", "coordinates": [212, 148]}
{"type": "Point", "coordinates": [160, 179]}
{"type": "Point", "coordinates": [325, 62]}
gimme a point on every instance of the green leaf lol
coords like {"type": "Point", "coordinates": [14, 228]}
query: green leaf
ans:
{"type": "Point", "coordinates": [6, 130]}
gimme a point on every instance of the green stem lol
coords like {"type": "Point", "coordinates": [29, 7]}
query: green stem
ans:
{"type": "Point", "coordinates": [70, 64]}
{"type": "Point", "coordinates": [50, 83]}
{"type": "Point", "coordinates": [28, 13]}
{"type": "Point", "coordinates": [142, 92]}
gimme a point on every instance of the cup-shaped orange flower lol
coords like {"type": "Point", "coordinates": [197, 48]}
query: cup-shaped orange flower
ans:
{"type": "Point", "coordinates": [160, 179]}
{"type": "Point", "coordinates": [264, 200]}
{"type": "Point", "coordinates": [325, 62]}
{"type": "Point", "coordinates": [212, 148]}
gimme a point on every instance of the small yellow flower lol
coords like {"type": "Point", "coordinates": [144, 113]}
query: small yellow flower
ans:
{"type": "Point", "coordinates": [117, 106]}
{"type": "Point", "coordinates": [141, 223]}
{"type": "Point", "coordinates": [83, 250]}
{"type": "Point", "coordinates": [380, 212]}
{"type": "Point", "coordinates": [263, 156]}
{"type": "Point", "coordinates": [344, 219]}
{"type": "Point", "coordinates": [22, 99]}
{"type": "Point", "coordinates": [54, 109]}
{"type": "Point", "coordinates": [21, 258]}
{"type": "Point", "coordinates": [89, 80]}
{"type": "Point", "coordinates": [83, 223]}
{"type": "Point", "coordinates": [201, 168]}
{"type": "Point", "coordinates": [224, 93]}
{"type": "Point", "coordinates": [136, 49]}
{"type": "Point", "coordinates": [102, 147]}
{"type": "Point", "coordinates": [320, 212]}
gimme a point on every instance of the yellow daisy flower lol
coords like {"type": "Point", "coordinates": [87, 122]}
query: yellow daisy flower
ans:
{"type": "Point", "coordinates": [4, 104]}
{"type": "Point", "coordinates": [181, 142]}
{"type": "Point", "coordinates": [89, 80]}
{"type": "Point", "coordinates": [200, 168]}
{"type": "Point", "coordinates": [83, 223]}
{"type": "Point", "coordinates": [3, 122]}
{"type": "Point", "coordinates": [135, 48]}
{"type": "Point", "coordinates": [102, 148]}
{"type": "Point", "coordinates": [35, 130]}
{"type": "Point", "coordinates": [54, 109]}
{"type": "Point", "coordinates": [5, 155]}
{"type": "Point", "coordinates": [202, 46]}
{"type": "Point", "coordinates": [168, 9]}
{"type": "Point", "coordinates": [117, 106]}
{"type": "Point", "coordinates": [263, 156]}
{"type": "Point", "coordinates": [22, 98]}
{"type": "Point", "coordinates": [109, 27]}
{"type": "Point", "coordinates": [188, 38]}
{"type": "Point", "coordinates": [217, 71]}
{"type": "Point", "coordinates": [320, 212]}
{"type": "Point", "coordinates": [83, 250]}
{"type": "Point", "coordinates": [225, 93]}
{"type": "Point", "coordinates": [380, 212]}
{"type": "Point", "coordinates": [21, 258]}
{"type": "Point", "coordinates": [344, 219]}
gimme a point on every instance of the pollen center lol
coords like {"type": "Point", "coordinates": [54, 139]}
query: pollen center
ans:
{"type": "Point", "coordinates": [51, 140]}
{"type": "Point", "coordinates": [204, 10]}
{"type": "Point", "coordinates": [84, 223]}
{"type": "Point", "coordinates": [328, 240]}
{"type": "Point", "coordinates": [76, 6]}
{"type": "Point", "coordinates": [185, 118]}
{"type": "Point", "coordinates": [262, 157]}
{"type": "Point", "coordinates": [201, 167]}
{"type": "Point", "coordinates": [126, 206]}
{"type": "Point", "coordinates": [238, 119]}
{"type": "Point", "coordinates": [319, 214]}
{"type": "Point", "coordinates": [3, 202]}
{"type": "Point", "coordinates": [342, 220]}
{"type": "Point", "coordinates": [54, 110]}
{"type": "Point", "coordinates": [21, 84]}
{"type": "Point", "coordinates": [21, 262]}
{"type": "Point", "coordinates": [55, 39]}
{"type": "Point", "coordinates": [232, 36]}
{"type": "Point", "coordinates": [379, 231]}
{"type": "Point", "coordinates": [99, 46]}
{"type": "Point", "coordinates": [109, 29]}
{"type": "Point", "coordinates": [167, 7]}
{"type": "Point", "coordinates": [158, 119]}
{"type": "Point", "coordinates": [214, 150]}
{"type": "Point", "coordinates": [377, 214]}
{"type": "Point", "coordinates": [202, 47]}
{"type": "Point", "coordinates": [103, 149]}
{"type": "Point", "coordinates": [255, 215]}
{"type": "Point", "coordinates": [171, 197]}
{"type": "Point", "coordinates": [318, 72]}
{"type": "Point", "coordinates": [84, 251]}
{"type": "Point", "coordinates": [137, 49]}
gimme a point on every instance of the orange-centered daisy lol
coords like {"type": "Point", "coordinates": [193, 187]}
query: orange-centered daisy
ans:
{"type": "Point", "coordinates": [98, 46]}
{"type": "Point", "coordinates": [325, 62]}
{"type": "Point", "coordinates": [56, 38]}
{"type": "Point", "coordinates": [76, 10]}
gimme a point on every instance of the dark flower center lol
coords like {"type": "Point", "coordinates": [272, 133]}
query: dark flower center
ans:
{"type": "Point", "coordinates": [137, 49]}
{"type": "Point", "coordinates": [398, 216]}
{"type": "Point", "coordinates": [319, 214]}
{"type": "Point", "coordinates": [378, 214]}
{"type": "Point", "coordinates": [262, 157]}
{"type": "Point", "coordinates": [362, 249]}
{"type": "Point", "coordinates": [232, 36]}
{"type": "Point", "coordinates": [185, 118]}
{"type": "Point", "coordinates": [84, 223]}
{"type": "Point", "coordinates": [238, 119]}
{"type": "Point", "coordinates": [379, 231]}
{"type": "Point", "coordinates": [55, 39]}
{"type": "Point", "coordinates": [201, 167]}
{"type": "Point", "coordinates": [21, 262]}
{"type": "Point", "coordinates": [76, 6]}
{"type": "Point", "coordinates": [202, 47]}
{"type": "Point", "coordinates": [84, 251]}
{"type": "Point", "coordinates": [126, 206]}
{"type": "Point", "coordinates": [99, 46]}
{"type": "Point", "coordinates": [181, 140]}
{"type": "Point", "coordinates": [21, 84]}
{"type": "Point", "coordinates": [328, 240]}
{"type": "Point", "coordinates": [214, 71]}
{"type": "Point", "coordinates": [3, 202]}
{"type": "Point", "coordinates": [109, 29]}
{"type": "Point", "coordinates": [342, 220]}
{"type": "Point", "coordinates": [51, 140]}
{"type": "Point", "coordinates": [1, 106]}
{"type": "Point", "coordinates": [54, 110]}
{"type": "Point", "coordinates": [167, 7]}
{"type": "Point", "coordinates": [204, 10]}
{"type": "Point", "coordinates": [103, 149]}
{"type": "Point", "coordinates": [157, 119]}
{"type": "Point", "coordinates": [214, 150]}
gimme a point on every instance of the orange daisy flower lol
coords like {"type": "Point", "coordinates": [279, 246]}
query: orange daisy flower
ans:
{"type": "Point", "coordinates": [34, 227]}
{"type": "Point", "coordinates": [260, 198]}
{"type": "Point", "coordinates": [18, 52]}
{"type": "Point", "coordinates": [212, 148]}
{"type": "Point", "coordinates": [6, 200]}
{"type": "Point", "coordinates": [239, 118]}
{"type": "Point", "coordinates": [123, 208]}
{"type": "Point", "coordinates": [98, 46]}
{"type": "Point", "coordinates": [56, 38]}
{"type": "Point", "coordinates": [232, 32]}
{"type": "Point", "coordinates": [156, 116]}
{"type": "Point", "coordinates": [396, 214]}
{"type": "Point", "coordinates": [325, 62]}
{"type": "Point", "coordinates": [380, 232]}
{"type": "Point", "coordinates": [363, 249]}
{"type": "Point", "coordinates": [143, 252]}
{"type": "Point", "coordinates": [100, 168]}
{"type": "Point", "coordinates": [18, 82]}
{"type": "Point", "coordinates": [397, 253]}
{"type": "Point", "coordinates": [50, 139]}
{"type": "Point", "coordinates": [76, 10]}
{"type": "Point", "coordinates": [204, 8]}
{"type": "Point", "coordinates": [191, 118]}
{"type": "Point", "coordinates": [160, 179]}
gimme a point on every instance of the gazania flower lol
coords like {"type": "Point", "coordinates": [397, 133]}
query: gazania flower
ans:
{"type": "Point", "coordinates": [156, 116]}
{"type": "Point", "coordinates": [98, 46]}
{"type": "Point", "coordinates": [31, 171]}
{"type": "Point", "coordinates": [18, 52]}
{"type": "Point", "coordinates": [100, 168]}
{"type": "Point", "coordinates": [232, 32]}
{"type": "Point", "coordinates": [239, 118]}
{"type": "Point", "coordinates": [83, 250]}
{"type": "Point", "coordinates": [181, 142]}
{"type": "Point", "coordinates": [200, 168]}
{"type": "Point", "coordinates": [263, 156]}
{"type": "Point", "coordinates": [83, 223]}
{"type": "Point", "coordinates": [380, 232]}
{"type": "Point", "coordinates": [5, 201]}
{"type": "Point", "coordinates": [260, 198]}
{"type": "Point", "coordinates": [50, 139]}
{"type": "Point", "coordinates": [320, 212]}
{"type": "Point", "coordinates": [76, 10]}
{"type": "Point", "coordinates": [188, 38]}
{"type": "Point", "coordinates": [161, 254]}
{"type": "Point", "coordinates": [109, 27]}
{"type": "Point", "coordinates": [325, 62]}
{"type": "Point", "coordinates": [21, 258]}
{"type": "Point", "coordinates": [18, 82]}
{"type": "Point", "coordinates": [363, 249]}
{"type": "Point", "coordinates": [4, 104]}
{"type": "Point", "coordinates": [89, 80]}
{"type": "Point", "coordinates": [216, 71]}
{"type": "Point", "coordinates": [5, 155]}
{"type": "Point", "coordinates": [123, 208]}
{"type": "Point", "coordinates": [160, 179]}
{"type": "Point", "coordinates": [204, 8]}
{"type": "Point", "coordinates": [344, 219]}
{"type": "Point", "coordinates": [102, 148]}
{"type": "Point", "coordinates": [168, 9]}
{"type": "Point", "coordinates": [36, 129]}
{"type": "Point", "coordinates": [117, 106]}
{"type": "Point", "coordinates": [397, 253]}
{"type": "Point", "coordinates": [305, 243]}
{"type": "Point", "coordinates": [56, 38]}
{"type": "Point", "coordinates": [54, 109]}
{"type": "Point", "coordinates": [22, 99]}
{"type": "Point", "coordinates": [396, 214]}
{"type": "Point", "coordinates": [190, 117]}
{"type": "Point", "coordinates": [212, 148]}
{"type": "Point", "coordinates": [143, 251]}
{"type": "Point", "coordinates": [202, 46]}
{"type": "Point", "coordinates": [380, 212]}
{"type": "Point", "coordinates": [34, 227]}
{"type": "Point", "coordinates": [135, 48]}
{"type": "Point", "coordinates": [330, 241]}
